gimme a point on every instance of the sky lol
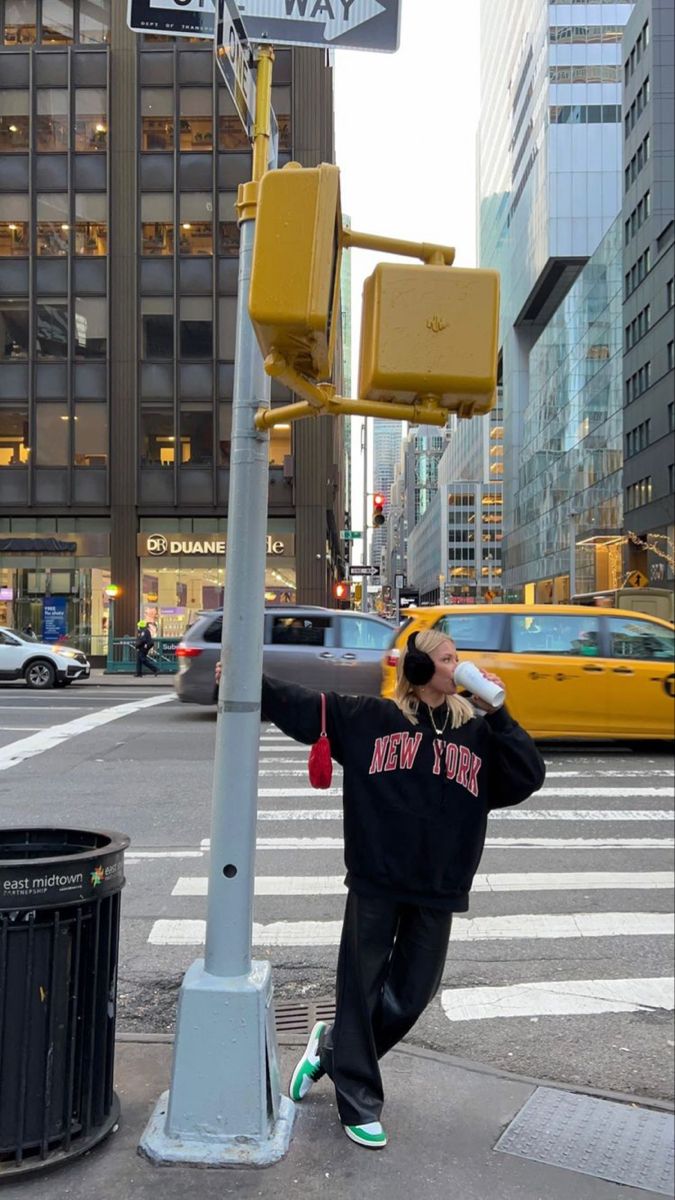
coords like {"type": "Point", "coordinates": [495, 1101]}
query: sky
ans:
{"type": "Point", "coordinates": [405, 128]}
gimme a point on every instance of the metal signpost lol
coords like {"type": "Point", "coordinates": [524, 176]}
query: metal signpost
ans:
{"type": "Point", "coordinates": [224, 1106]}
{"type": "Point", "coordinates": [350, 24]}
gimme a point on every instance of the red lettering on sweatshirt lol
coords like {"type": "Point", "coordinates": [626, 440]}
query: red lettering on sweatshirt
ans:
{"type": "Point", "coordinates": [392, 757]}
{"type": "Point", "coordinates": [439, 746]}
{"type": "Point", "coordinates": [464, 765]}
{"type": "Point", "coordinates": [451, 760]}
{"type": "Point", "coordinates": [476, 764]}
{"type": "Point", "coordinates": [379, 755]}
{"type": "Point", "coordinates": [409, 748]}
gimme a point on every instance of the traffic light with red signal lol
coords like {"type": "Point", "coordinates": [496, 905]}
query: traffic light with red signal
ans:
{"type": "Point", "coordinates": [341, 591]}
{"type": "Point", "coordinates": [378, 510]}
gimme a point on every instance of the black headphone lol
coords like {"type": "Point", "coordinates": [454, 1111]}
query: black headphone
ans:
{"type": "Point", "coordinates": [418, 667]}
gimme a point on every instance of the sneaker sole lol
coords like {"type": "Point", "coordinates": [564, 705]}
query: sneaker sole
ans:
{"type": "Point", "coordinates": [354, 1137]}
{"type": "Point", "coordinates": [298, 1072]}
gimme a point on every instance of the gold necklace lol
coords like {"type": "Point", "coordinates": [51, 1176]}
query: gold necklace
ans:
{"type": "Point", "coordinates": [439, 732]}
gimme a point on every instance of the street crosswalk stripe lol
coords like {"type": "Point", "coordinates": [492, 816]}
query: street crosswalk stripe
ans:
{"type": "Point", "coordinates": [552, 926]}
{"type": "Point", "coordinates": [333, 885]}
{"type": "Point", "coordinates": [569, 793]}
{"type": "Point", "coordinates": [515, 843]}
{"type": "Point", "coordinates": [560, 997]}
{"type": "Point", "coordinates": [499, 814]}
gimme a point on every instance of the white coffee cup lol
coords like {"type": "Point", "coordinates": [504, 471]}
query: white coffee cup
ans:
{"type": "Point", "coordinates": [467, 675]}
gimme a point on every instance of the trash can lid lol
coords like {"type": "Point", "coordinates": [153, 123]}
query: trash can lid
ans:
{"type": "Point", "coordinates": [43, 867]}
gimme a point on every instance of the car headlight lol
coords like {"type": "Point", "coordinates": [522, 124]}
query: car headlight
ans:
{"type": "Point", "coordinates": [64, 653]}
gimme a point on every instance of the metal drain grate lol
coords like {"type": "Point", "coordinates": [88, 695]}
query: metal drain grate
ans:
{"type": "Point", "coordinates": [627, 1145]}
{"type": "Point", "coordinates": [292, 1017]}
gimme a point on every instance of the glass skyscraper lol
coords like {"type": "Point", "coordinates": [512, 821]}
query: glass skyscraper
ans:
{"type": "Point", "coordinates": [549, 186]}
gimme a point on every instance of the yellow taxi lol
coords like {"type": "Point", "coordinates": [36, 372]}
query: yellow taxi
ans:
{"type": "Point", "coordinates": [569, 671]}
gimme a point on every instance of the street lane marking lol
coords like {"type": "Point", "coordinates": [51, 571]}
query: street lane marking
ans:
{"type": "Point", "coordinates": [137, 855]}
{"type": "Point", "coordinates": [333, 885]}
{"type": "Point", "coordinates": [550, 926]}
{"type": "Point", "coordinates": [20, 728]}
{"type": "Point", "coordinates": [17, 752]}
{"type": "Point", "coordinates": [559, 998]}
{"type": "Point", "coordinates": [515, 843]}
{"type": "Point", "coordinates": [500, 814]}
{"type": "Point", "coordinates": [569, 793]}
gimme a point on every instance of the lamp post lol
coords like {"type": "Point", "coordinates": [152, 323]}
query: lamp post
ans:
{"type": "Point", "coordinates": [112, 592]}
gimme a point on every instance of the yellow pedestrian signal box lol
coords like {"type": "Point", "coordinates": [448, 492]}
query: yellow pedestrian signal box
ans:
{"type": "Point", "coordinates": [430, 331]}
{"type": "Point", "coordinates": [294, 300]}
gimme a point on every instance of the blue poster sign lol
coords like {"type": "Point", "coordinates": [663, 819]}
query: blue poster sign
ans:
{"type": "Point", "coordinates": [54, 618]}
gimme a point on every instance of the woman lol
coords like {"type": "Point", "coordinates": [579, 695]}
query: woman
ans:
{"type": "Point", "coordinates": [421, 774]}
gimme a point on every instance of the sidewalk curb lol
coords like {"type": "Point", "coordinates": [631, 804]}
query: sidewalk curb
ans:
{"type": "Point", "coordinates": [449, 1060]}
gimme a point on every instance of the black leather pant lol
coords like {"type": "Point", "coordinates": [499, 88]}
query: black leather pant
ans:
{"type": "Point", "coordinates": [390, 966]}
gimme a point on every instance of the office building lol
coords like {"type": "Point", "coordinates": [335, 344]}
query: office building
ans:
{"type": "Point", "coordinates": [648, 215]}
{"type": "Point", "coordinates": [454, 550]}
{"type": "Point", "coordinates": [386, 446]}
{"type": "Point", "coordinates": [120, 158]}
{"type": "Point", "coordinates": [549, 186]}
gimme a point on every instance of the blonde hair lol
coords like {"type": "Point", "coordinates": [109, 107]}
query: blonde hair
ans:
{"type": "Point", "coordinates": [405, 697]}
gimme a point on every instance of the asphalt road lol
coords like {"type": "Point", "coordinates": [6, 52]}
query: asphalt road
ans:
{"type": "Point", "coordinates": [574, 894]}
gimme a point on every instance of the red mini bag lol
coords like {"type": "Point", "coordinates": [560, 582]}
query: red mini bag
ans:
{"type": "Point", "coordinates": [320, 762]}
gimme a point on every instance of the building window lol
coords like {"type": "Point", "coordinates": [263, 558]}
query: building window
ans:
{"type": "Point", "coordinates": [14, 121]}
{"type": "Point", "coordinates": [196, 119]}
{"type": "Point", "coordinates": [90, 448]}
{"type": "Point", "coordinates": [671, 417]}
{"type": "Point", "coordinates": [157, 223]}
{"type": "Point", "coordinates": [91, 326]}
{"type": "Point", "coordinates": [224, 433]}
{"type": "Point", "coordinates": [51, 122]}
{"type": "Point", "coordinates": [13, 329]}
{"type": "Point", "coordinates": [196, 223]}
{"type": "Point", "coordinates": [227, 327]}
{"type": "Point", "coordinates": [671, 478]}
{"type": "Point", "coordinates": [52, 434]}
{"type": "Point", "coordinates": [91, 120]}
{"type": "Point", "coordinates": [53, 224]}
{"type": "Point", "coordinates": [228, 228]}
{"type": "Point", "coordinates": [670, 354]}
{"type": "Point", "coordinates": [196, 327]}
{"type": "Point", "coordinates": [157, 119]}
{"type": "Point", "coordinates": [670, 293]}
{"type": "Point", "coordinates": [20, 22]}
{"type": "Point", "coordinates": [91, 224]}
{"type": "Point", "coordinates": [231, 132]}
{"type": "Point", "coordinates": [14, 225]}
{"type": "Point", "coordinates": [639, 494]}
{"type": "Point", "coordinates": [51, 335]}
{"type": "Point", "coordinates": [196, 433]}
{"type": "Point", "coordinates": [157, 327]}
{"type": "Point", "coordinates": [14, 447]}
{"type": "Point", "coordinates": [95, 21]}
{"type": "Point", "coordinates": [157, 437]}
{"type": "Point", "coordinates": [57, 22]}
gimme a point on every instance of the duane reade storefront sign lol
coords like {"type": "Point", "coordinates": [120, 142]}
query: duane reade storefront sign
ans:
{"type": "Point", "coordinates": [156, 545]}
{"type": "Point", "coordinates": [181, 574]}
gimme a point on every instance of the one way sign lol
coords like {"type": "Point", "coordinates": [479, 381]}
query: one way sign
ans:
{"type": "Point", "coordinates": [352, 24]}
{"type": "Point", "coordinates": [362, 569]}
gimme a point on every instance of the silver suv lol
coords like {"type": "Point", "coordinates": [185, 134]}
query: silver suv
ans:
{"type": "Point", "coordinates": [324, 648]}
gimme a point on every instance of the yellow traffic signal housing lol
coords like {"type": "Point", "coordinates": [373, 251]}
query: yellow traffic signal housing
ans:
{"type": "Point", "coordinates": [430, 331]}
{"type": "Point", "coordinates": [295, 281]}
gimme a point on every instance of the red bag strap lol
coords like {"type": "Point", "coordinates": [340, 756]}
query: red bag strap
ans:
{"type": "Point", "coordinates": [323, 715]}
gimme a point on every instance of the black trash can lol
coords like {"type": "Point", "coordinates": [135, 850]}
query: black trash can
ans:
{"type": "Point", "coordinates": [60, 892]}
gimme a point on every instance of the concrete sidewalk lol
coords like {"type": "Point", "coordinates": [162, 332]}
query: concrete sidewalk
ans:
{"type": "Point", "coordinates": [100, 678]}
{"type": "Point", "coordinates": [443, 1117]}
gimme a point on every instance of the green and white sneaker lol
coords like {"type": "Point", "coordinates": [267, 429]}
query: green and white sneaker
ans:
{"type": "Point", "coordinates": [371, 1135]}
{"type": "Point", "coordinates": [308, 1069]}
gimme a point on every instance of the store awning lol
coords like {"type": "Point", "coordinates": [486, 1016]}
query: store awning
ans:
{"type": "Point", "coordinates": [17, 545]}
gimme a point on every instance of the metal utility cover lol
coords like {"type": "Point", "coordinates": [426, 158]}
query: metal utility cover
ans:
{"type": "Point", "coordinates": [617, 1142]}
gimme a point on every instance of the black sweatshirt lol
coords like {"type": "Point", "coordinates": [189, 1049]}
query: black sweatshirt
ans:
{"type": "Point", "coordinates": [415, 805]}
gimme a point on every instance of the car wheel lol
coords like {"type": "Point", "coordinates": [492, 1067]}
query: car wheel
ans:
{"type": "Point", "coordinates": [40, 675]}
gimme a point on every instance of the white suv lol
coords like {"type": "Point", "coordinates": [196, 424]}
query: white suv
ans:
{"type": "Point", "coordinates": [41, 665]}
